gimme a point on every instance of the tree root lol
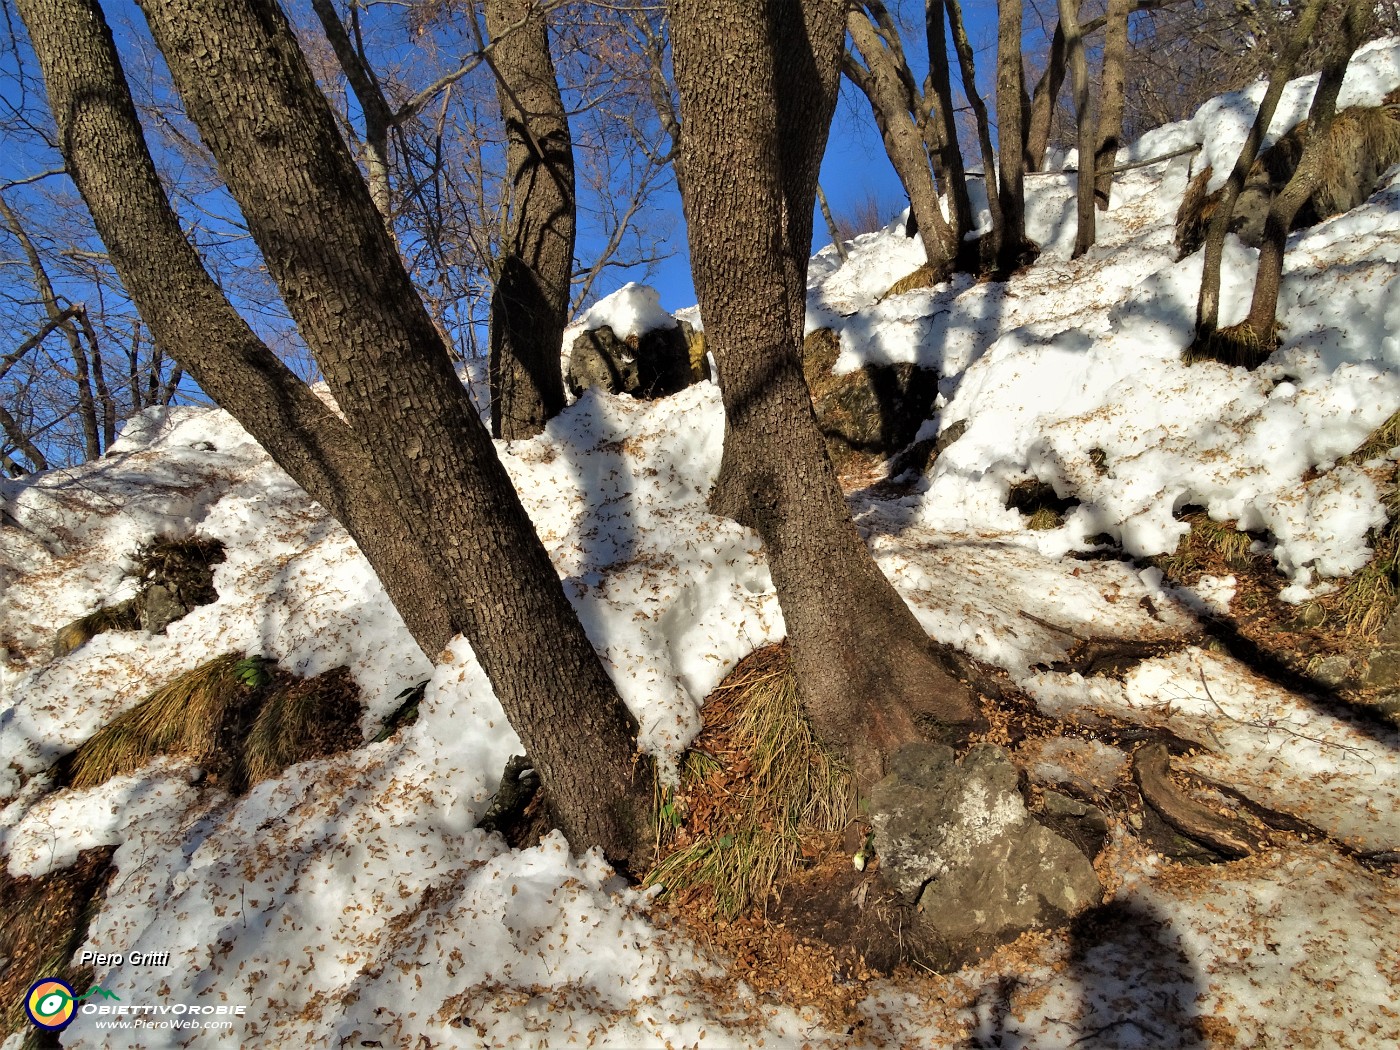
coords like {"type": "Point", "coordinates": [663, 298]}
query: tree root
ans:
{"type": "Point", "coordinates": [1152, 771]}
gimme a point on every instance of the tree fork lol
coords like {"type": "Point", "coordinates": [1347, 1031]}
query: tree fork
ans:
{"type": "Point", "coordinates": [247, 87]}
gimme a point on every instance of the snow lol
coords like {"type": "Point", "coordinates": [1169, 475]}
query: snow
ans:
{"type": "Point", "coordinates": [353, 900]}
{"type": "Point", "coordinates": [633, 310]}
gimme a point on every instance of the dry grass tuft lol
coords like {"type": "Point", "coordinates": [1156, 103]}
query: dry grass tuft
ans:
{"type": "Point", "coordinates": [240, 718]}
{"type": "Point", "coordinates": [301, 718]}
{"type": "Point", "coordinates": [1379, 442]}
{"type": "Point", "coordinates": [926, 276]}
{"type": "Point", "coordinates": [1370, 594]}
{"type": "Point", "coordinates": [1238, 346]}
{"type": "Point", "coordinates": [43, 921]}
{"type": "Point", "coordinates": [761, 783]}
{"type": "Point", "coordinates": [182, 717]}
{"type": "Point", "coordinates": [119, 617]}
{"type": "Point", "coordinates": [1203, 550]}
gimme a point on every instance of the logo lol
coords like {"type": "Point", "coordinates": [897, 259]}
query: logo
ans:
{"type": "Point", "coordinates": [50, 1004]}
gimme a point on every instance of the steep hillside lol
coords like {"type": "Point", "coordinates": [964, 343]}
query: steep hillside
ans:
{"type": "Point", "coordinates": [352, 900]}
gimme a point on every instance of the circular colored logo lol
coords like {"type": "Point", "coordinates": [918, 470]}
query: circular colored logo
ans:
{"type": "Point", "coordinates": [50, 1003]}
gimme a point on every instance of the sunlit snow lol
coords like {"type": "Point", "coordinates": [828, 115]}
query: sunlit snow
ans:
{"type": "Point", "coordinates": [354, 902]}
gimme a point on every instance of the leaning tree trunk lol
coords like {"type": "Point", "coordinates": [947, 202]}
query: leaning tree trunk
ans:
{"type": "Point", "coordinates": [1084, 121]}
{"type": "Point", "coordinates": [879, 81]}
{"type": "Point", "coordinates": [1014, 247]}
{"type": "Point", "coordinates": [248, 89]}
{"type": "Point", "coordinates": [1208, 306]}
{"type": "Point", "coordinates": [968, 71]}
{"type": "Point", "coordinates": [1258, 329]}
{"type": "Point", "coordinates": [530, 303]}
{"type": "Point", "coordinates": [1047, 90]}
{"type": "Point", "coordinates": [940, 87]}
{"type": "Point", "coordinates": [754, 128]}
{"type": "Point", "coordinates": [1111, 99]}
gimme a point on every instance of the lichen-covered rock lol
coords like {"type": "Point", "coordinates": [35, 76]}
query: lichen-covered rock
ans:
{"type": "Point", "coordinates": [957, 838]}
{"type": "Point", "coordinates": [654, 364]}
{"type": "Point", "coordinates": [160, 607]}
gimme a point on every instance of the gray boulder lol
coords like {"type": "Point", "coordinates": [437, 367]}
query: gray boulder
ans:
{"type": "Point", "coordinates": [655, 364]}
{"type": "Point", "coordinates": [956, 838]}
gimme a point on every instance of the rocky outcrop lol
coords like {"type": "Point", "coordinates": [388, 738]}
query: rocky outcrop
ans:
{"type": "Point", "coordinates": [956, 838]}
{"type": "Point", "coordinates": [652, 365]}
{"type": "Point", "coordinates": [870, 413]}
{"type": "Point", "coordinates": [177, 576]}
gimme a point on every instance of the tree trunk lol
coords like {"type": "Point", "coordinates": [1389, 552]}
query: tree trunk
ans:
{"type": "Point", "coordinates": [1084, 120]}
{"type": "Point", "coordinates": [369, 96]}
{"type": "Point", "coordinates": [754, 128]}
{"type": "Point", "coordinates": [1014, 249]}
{"type": "Point", "coordinates": [968, 70]}
{"type": "Point", "coordinates": [1208, 306]}
{"type": "Point", "coordinates": [86, 407]}
{"type": "Point", "coordinates": [831, 227]}
{"type": "Point", "coordinates": [1111, 99]}
{"type": "Point", "coordinates": [1047, 90]}
{"type": "Point", "coordinates": [530, 303]}
{"type": "Point", "coordinates": [940, 85]}
{"type": "Point", "coordinates": [1263, 307]}
{"type": "Point", "coordinates": [880, 84]}
{"type": "Point", "coordinates": [432, 507]}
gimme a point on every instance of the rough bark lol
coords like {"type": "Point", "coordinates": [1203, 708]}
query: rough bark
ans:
{"type": "Point", "coordinates": [447, 518]}
{"type": "Point", "coordinates": [880, 82]}
{"type": "Point", "coordinates": [940, 87]}
{"type": "Point", "coordinates": [1111, 99]}
{"type": "Point", "coordinates": [755, 126]}
{"type": "Point", "coordinates": [1303, 183]}
{"type": "Point", "coordinates": [968, 70]}
{"type": "Point", "coordinates": [1013, 249]}
{"type": "Point", "coordinates": [1208, 306]}
{"type": "Point", "coordinates": [530, 303]}
{"type": "Point", "coordinates": [1047, 90]}
{"type": "Point", "coordinates": [1084, 120]}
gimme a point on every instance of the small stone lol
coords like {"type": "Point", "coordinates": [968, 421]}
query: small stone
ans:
{"type": "Point", "coordinates": [1331, 671]}
{"type": "Point", "coordinates": [160, 607]}
{"type": "Point", "coordinates": [1309, 616]}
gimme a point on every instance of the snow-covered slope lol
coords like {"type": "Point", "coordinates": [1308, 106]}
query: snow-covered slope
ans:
{"type": "Point", "coordinates": [353, 902]}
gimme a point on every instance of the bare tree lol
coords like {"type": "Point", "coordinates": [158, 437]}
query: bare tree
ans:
{"type": "Point", "coordinates": [1208, 307]}
{"type": "Point", "coordinates": [897, 104]}
{"type": "Point", "coordinates": [753, 130]}
{"type": "Point", "coordinates": [1256, 337]}
{"type": "Point", "coordinates": [1112, 89]}
{"type": "Point", "coordinates": [432, 508]}
{"type": "Point", "coordinates": [1084, 122]}
{"type": "Point", "coordinates": [1015, 249]}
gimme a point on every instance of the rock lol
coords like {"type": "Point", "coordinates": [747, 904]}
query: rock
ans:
{"type": "Point", "coordinates": [958, 839]}
{"type": "Point", "coordinates": [160, 607]}
{"type": "Point", "coordinates": [1362, 144]}
{"type": "Point", "coordinates": [1331, 671]}
{"type": "Point", "coordinates": [1389, 708]}
{"type": "Point", "coordinates": [867, 414]}
{"type": "Point", "coordinates": [655, 364]}
{"type": "Point", "coordinates": [1309, 616]}
{"type": "Point", "coordinates": [1383, 669]}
